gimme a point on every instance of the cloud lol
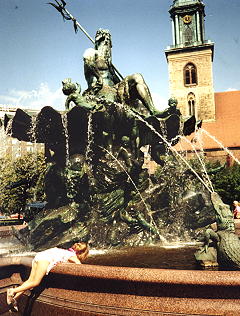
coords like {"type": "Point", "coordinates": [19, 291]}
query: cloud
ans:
{"type": "Point", "coordinates": [160, 102]}
{"type": "Point", "coordinates": [35, 99]}
{"type": "Point", "coordinates": [231, 89]}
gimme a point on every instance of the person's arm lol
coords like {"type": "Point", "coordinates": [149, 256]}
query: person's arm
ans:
{"type": "Point", "coordinates": [74, 259]}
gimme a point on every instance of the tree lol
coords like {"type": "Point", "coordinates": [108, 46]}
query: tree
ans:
{"type": "Point", "coordinates": [21, 182]}
{"type": "Point", "coordinates": [227, 183]}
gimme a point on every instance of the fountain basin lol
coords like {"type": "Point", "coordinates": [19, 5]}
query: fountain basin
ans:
{"type": "Point", "coordinates": [89, 290]}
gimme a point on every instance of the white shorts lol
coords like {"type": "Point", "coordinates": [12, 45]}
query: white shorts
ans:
{"type": "Point", "coordinates": [53, 256]}
{"type": "Point", "coordinates": [42, 256]}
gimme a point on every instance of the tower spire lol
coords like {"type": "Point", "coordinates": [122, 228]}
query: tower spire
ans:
{"type": "Point", "coordinates": [190, 60]}
{"type": "Point", "coordinates": [187, 22]}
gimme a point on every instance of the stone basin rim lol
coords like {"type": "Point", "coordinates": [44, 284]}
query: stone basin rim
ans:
{"type": "Point", "coordinates": [129, 274]}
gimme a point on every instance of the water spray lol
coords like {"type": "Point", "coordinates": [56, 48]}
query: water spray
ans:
{"type": "Point", "coordinates": [129, 177]}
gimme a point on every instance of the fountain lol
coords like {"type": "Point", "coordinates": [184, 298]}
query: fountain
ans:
{"type": "Point", "coordinates": [96, 188]}
{"type": "Point", "coordinates": [98, 191]}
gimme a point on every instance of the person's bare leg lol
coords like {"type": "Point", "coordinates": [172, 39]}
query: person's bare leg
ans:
{"type": "Point", "coordinates": [31, 277]}
{"type": "Point", "coordinates": [38, 271]}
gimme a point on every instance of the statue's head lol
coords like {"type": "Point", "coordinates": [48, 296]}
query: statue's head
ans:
{"type": "Point", "coordinates": [125, 141]}
{"type": "Point", "coordinates": [103, 36]}
{"type": "Point", "coordinates": [172, 102]}
{"type": "Point", "coordinates": [69, 87]}
{"type": "Point", "coordinates": [224, 216]}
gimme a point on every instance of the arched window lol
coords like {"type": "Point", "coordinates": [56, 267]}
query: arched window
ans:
{"type": "Point", "coordinates": [191, 104]}
{"type": "Point", "coordinates": [190, 74]}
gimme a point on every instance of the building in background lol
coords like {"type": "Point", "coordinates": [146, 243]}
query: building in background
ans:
{"type": "Point", "coordinates": [190, 60]}
{"type": "Point", "coordinates": [12, 147]}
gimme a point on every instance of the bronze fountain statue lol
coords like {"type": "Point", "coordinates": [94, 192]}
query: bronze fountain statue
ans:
{"type": "Point", "coordinates": [93, 149]}
{"type": "Point", "coordinates": [103, 80]}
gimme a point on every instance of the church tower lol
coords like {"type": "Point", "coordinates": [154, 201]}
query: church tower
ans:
{"type": "Point", "coordinates": [190, 61]}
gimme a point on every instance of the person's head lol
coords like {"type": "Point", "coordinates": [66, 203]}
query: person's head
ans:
{"type": "Point", "coordinates": [81, 249]}
{"type": "Point", "coordinates": [235, 203]}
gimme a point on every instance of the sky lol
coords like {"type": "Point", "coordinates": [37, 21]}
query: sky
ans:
{"type": "Point", "coordinates": [39, 50]}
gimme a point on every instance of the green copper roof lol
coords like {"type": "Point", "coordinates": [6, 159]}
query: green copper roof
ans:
{"type": "Point", "coordinates": [177, 3]}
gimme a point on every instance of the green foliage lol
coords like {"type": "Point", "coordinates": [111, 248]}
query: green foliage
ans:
{"type": "Point", "coordinates": [30, 167]}
{"type": "Point", "coordinates": [225, 180]}
{"type": "Point", "coordinates": [227, 183]}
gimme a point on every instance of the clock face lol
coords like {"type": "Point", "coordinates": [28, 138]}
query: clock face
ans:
{"type": "Point", "coordinates": [187, 19]}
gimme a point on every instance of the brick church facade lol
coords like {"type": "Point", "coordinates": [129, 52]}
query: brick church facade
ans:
{"type": "Point", "coordinates": [190, 59]}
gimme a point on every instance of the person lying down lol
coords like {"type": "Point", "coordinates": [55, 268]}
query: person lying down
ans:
{"type": "Point", "coordinates": [42, 264]}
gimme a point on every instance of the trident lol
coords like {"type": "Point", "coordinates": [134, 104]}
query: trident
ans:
{"type": "Point", "coordinates": [68, 16]}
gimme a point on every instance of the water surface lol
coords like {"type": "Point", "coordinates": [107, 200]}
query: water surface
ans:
{"type": "Point", "coordinates": [168, 257]}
